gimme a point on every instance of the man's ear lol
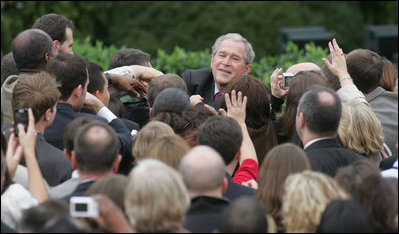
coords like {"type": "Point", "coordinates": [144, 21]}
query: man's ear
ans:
{"type": "Point", "coordinates": [77, 92]}
{"type": "Point", "coordinates": [67, 155]}
{"type": "Point", "coordinates": [73, 160]}
{"type": "Point", "coordinates": [224, 185]}
{"type": "Point", "coordinates": [238, 155]}
{"type": "Point", "coordinates": [302, 121]}
{"type": "Point", "coordinates": [248, 69]}
{"type": "Point", "coordinates": [117, 161]}
{"type": "Point", "coordinates": [57, 45]}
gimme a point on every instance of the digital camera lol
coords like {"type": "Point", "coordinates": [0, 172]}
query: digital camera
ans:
{"type": "Point", "coordinates": [287, 76]}
{"type": "Point", "coordinates": [20, 116]}
{"type": "Point", "coordinates": [83, 207]}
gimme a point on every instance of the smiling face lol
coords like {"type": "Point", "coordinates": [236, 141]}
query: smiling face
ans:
{"type": "Point", "coordinates": [228, 63]}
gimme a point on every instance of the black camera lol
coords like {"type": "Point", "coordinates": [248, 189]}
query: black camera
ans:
{"type": "Point", "coordinates": [20, 116]}
{"type": "Point", "coordinates": [287, 77]}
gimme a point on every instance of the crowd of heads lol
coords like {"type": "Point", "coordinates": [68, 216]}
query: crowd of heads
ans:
{"type": "Point", "coordinates": [183, 158]}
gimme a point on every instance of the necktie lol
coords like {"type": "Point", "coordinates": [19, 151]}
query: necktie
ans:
{"type": "Point", "coordinates": [217, 95]}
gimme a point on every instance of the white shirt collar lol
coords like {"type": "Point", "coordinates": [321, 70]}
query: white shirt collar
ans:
{"type": "Point", "coordinates": [216, 89]}
{"type": "Point", "coordinates": [314, 140]}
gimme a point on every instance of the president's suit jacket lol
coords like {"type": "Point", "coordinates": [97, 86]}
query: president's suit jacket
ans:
{"type": "Point", "coordinates": [328, 155]}
{"type": "Point", "coordinates": [200, 81]}
{"type": "Point", "coordinates": [385, 107]}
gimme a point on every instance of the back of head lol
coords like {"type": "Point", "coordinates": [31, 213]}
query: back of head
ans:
{"type": "Point", "coordinates": [359, 129]}
{"type": "Point", "coordinates": [72, 129]}
{"type": "Point", "coordinates": [162, 82]}
{"type": "Point", "coordinates": [96, 79]}
{"type": "Point", "coordinates": [116, 106]}
{"type": "Point", "coordinates": [299, 85]}
{"type": "Point", "coordinates": [365, 68]}
{"type": "Point", "coordinates": [306, 66]}
{"type": "Point", "coordinates": [279, 163]}
{"type": "Point", "coordinates": [8, 67]}
{"type": "Point", "coordinates": [249, 52]}
{"type": "Point", "coordinates": [173, 100]}
{"type": "Point", "coordinates": [113, 186]}
{"type": "Point", "coordinates": [389, 75]}
{"type": "Point", "coordinates": [38, 91]}
{"type": "Point", "coordinates": [54, 25]}
{"type": "Point", "coordinates": [223, 134]}
{"type": "Point", "coordinates": [321, 108]}
{"type": "Point", "coordinates": [380, 202]}
{"type": "Point", "coordinates": [203, 170]}
{"type": "Point", "coordinates": [243, 215]}
{"type": "Point", "coordinates": [34, 218]}
{"type": "Point", "coordinates": [127, 57]}
{"type": "Point", "coordinates": [306, 196]}
{"type": "Point", "coordinates": [169, 149]}
{"type": "Point", "coordinates": [257, 96]}
{"type": "Point", "coordinates": [30, 48]}
{"type": "Point", "coordinates": [65, 224]}
{"type": "Point", "coordinates": [70, 70]}
{"type": "Point", "coordinates": [147, 135]}
{"type": "Point", "coordinates": [96, 146]}
{"type": "Point", "coordinates": [156, 199]}
{"type": "Point", "coordinates": [349, 177]}
{"type": "Point", "coordinates": [344, 216]}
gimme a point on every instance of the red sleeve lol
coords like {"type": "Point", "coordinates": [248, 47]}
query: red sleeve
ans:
{"type": "Point", "coordinates": [248, 170]}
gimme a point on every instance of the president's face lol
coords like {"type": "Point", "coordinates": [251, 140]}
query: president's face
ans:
{"type": "Point", "coordinates": [228, 63]}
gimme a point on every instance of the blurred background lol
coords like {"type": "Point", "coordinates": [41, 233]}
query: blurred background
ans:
{"type": "Point", "coordinates": [195, 25]}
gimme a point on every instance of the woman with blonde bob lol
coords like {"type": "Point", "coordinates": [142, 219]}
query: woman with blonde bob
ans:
{"type": "Point", "coordinates": [360, 131]}
{"type": "Point", "coordinates": [306, 196]}
{"type": "Point", "coordinates": [156, 199]}
{"type": "Point", "coordinates": [147, 135]}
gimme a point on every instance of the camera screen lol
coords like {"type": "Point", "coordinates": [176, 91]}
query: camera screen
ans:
{"type": "Point", "coordinates": [81, 207]}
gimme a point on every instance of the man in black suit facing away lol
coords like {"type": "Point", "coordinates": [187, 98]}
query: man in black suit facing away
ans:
{"type": "Point", "coordinates": [317, 121]}
{"type": "Point", "coordinates": [232, 57]}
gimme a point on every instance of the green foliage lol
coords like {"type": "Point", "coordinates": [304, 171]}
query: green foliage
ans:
{"type": "Point", "coordinates": [195, 25]}
{"type": "Point", "coordinates": [98, 53]}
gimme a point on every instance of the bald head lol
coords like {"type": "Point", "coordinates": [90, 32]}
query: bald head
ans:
{"type": "Point", "coordinates": [202, 169]}
{"type": "Point", "coordinates": [31, 49]}
{"type": "Point", "coordinates": [303, 67]}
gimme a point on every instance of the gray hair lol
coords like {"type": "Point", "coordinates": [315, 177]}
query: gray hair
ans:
{"type": "Point", "coordinates": [249, 52]}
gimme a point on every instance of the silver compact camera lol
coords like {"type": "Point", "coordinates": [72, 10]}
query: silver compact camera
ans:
{"type": "Point", "coordinates": [287, 76]}
{"type": "Point", "coordinates": [83, 207]}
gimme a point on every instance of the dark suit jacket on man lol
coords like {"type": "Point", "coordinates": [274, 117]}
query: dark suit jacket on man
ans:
{"type": "Point", "coordinates": [55, 167]}
{"type": "Point", "coordinates": [66, 114]}
{"type": "Point", "coordinates": [203, 214]}
{"type": "Point", "coordinates": [328, 155]}
{"type": "Point", "coordinates": [201, 82]}
{"type": "Point", "coordinates": [79, 190]}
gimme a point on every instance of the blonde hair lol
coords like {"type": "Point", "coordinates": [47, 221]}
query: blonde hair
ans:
{"type": "Point", "coordinates": [148, 134]}
{"type": "Point", "coordinates": [306, 196]}
{"type": "Point", "coordinates": [169, 149]}
{"type": "Point", "coordinates": [156, 199]}
{"type": "Point", "coordinates": [359, 129]}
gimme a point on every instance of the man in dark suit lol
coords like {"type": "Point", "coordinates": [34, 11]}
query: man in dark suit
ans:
{"type": "Point", "coordinates": [39, 92]}
{"type": "Point", "coordinates": [232, 57]}
{"type": "Point", "coordinates": [71, 72]}
{"type": "Point", "coordinates": [202, 170]}
{"type": "Point", "coordinates": [317, 121]}
{"type": "Point", "coordinates": [95, 155]}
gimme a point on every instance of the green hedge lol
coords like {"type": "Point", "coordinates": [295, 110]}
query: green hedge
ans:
{"type": "Point", "coordinates": [180, 59]}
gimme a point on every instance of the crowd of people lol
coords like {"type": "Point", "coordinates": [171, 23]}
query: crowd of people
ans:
{"type": "Point", "coordinates": [212, 150]}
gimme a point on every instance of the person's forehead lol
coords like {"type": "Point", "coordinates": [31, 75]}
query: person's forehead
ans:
{"type": "Point", "coordinates": [230, 46]}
